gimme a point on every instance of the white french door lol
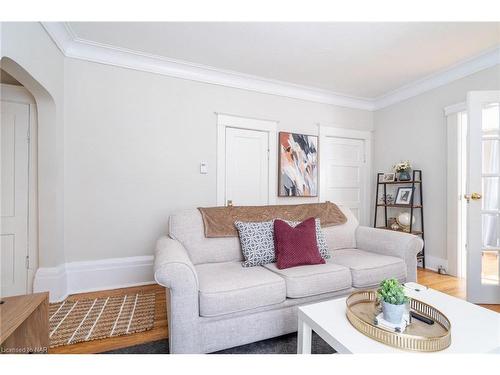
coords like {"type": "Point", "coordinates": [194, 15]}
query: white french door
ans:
{"type": "Point", "coordinates": [483, 196]}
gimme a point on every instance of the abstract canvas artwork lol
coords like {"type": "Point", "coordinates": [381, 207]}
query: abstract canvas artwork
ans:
{"type": "Point", "coordinates": [298, 165]}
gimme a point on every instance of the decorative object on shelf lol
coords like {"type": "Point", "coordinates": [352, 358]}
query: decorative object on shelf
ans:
{"type": "Point", "coordinates": [395, 226]}
{"type": "Point", "coordinates": [403, 220]}
{"type": "Point", "coordinates": [392, 296]}
{"type": "Point", "coordinates": [298, 165]}
{"type": "Point", "coordinates": [411, 201]}
{"type": "Point", "coordinates": [389, 177]}
{"type": "Point", "coordinates": [386, 199]}
{"type": "Point", "coordinates": [403, 169]}
{"type": "Point", "coordinates": [404, 195]}
{"type": "Point", "coordinates": [418, 336]}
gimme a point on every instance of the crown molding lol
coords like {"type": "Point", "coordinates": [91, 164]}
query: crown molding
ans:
{"type": "Point", "coordinates": [77, 48]}
{"type": "Point", "coordinates": [443, 77]}
{"type": "Point", "coordinates": [74, 47]}
{"type": "Point", "coordinates": [61, 34]}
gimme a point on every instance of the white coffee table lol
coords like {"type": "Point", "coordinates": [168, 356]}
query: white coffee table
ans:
{"type": "Point", "coordinates": [474, 329]}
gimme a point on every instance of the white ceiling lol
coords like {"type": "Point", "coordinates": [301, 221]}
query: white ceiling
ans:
{"type": "Point", "coordinates": [365, 60]}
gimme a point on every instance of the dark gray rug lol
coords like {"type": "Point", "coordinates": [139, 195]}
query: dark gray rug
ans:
{"type": "Point", "coordinates": [279, 345]}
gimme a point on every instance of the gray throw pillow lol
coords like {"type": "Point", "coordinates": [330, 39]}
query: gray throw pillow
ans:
{"type": "Point", "coordinates": [320, 238]}
{"type": "Point", "coordinates": [257, 242]}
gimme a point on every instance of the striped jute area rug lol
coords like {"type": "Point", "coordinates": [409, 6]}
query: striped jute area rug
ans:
{"type": "Point", "coordinates": [91, 319]}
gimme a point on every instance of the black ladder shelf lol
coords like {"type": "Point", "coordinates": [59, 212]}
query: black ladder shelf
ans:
{"type": "Point", "coordinates": [416, 185]}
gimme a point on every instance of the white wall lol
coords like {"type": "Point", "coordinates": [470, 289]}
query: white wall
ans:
{"type": "Point", "coordinates": [133, 144]}
{"type": "Point", "coordinates": [416, 130]}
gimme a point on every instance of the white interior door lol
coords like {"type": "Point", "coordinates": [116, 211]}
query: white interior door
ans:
{"type": "Point", "coordinates": [483, 193]}
{"type": "Point", "coordinates": [247, 167]}
{"type": "Point", "coordinates": [15, 125]}
{"type": "Point", "coordinates": [344, 170]}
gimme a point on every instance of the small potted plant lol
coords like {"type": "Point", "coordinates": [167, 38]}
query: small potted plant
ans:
{"type": "Point", "coordinates": [403, 170]}
{"type": "Point", "coordinates": [393, 299]}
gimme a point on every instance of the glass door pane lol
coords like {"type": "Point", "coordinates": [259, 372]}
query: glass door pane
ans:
{"type": "Point", "coordinates": [490, 264]}
{"type": "Point", "coordinates": [490, 155]}
{"type": "Point", "coordinates": [490, 176]}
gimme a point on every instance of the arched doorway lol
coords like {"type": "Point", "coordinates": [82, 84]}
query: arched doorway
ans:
{"type": "Point", "coordinates": [45, 207]}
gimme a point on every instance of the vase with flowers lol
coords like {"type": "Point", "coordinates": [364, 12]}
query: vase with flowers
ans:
{"type": "Point", "coordinates": [403, 170]}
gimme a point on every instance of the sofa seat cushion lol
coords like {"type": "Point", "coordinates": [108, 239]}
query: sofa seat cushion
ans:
{"type": "Point", "coordinates": [228, 287]}
{"type": "Point", "coordinates": [369, 269]}
{"type": "Point", "coordinates": [310, 280]}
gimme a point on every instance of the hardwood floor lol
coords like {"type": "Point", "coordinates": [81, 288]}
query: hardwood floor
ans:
{"type": "Point", "coordinates": [446, 284]}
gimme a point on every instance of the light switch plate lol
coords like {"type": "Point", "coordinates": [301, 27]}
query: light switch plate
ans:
{"type": "Point", "coordinates": [203, 167]}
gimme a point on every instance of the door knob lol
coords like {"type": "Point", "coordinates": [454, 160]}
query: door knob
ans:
{"type": "Point", "coordinates": [474, 196]}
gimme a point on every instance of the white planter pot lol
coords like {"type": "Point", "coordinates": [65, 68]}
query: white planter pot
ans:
{"type": "Point", "coordinates": [393, 313]}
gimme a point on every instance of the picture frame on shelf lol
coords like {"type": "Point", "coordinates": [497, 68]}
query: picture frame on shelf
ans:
{"type": "Point", "coordinates": [404, 196]}
{"type": "Point", "coordinates": [389, 177]}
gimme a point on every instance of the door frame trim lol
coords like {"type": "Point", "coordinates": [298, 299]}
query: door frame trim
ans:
{"type": "Point", "coordinates": [455, 239]}
{"type": "Point", "coordinates": [325, 131]}
{"type": "Point", "coordinates": [233, 121]}
{"type": "Point", "coordinates": [19, 94]}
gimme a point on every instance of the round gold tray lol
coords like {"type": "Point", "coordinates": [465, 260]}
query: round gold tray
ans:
{"type": "Point", "coordinates": [362, 308]}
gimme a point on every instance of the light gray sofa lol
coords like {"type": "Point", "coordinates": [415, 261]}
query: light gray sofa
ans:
{"type": "Point", "coordinates": [213, 303]}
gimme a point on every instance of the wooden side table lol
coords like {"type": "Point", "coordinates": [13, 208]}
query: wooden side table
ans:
{"type": "Point", "coordinates": [24, 324]}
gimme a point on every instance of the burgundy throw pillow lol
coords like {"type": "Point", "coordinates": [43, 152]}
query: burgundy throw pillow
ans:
{"type": "Point", "coordinates": [296, 246]}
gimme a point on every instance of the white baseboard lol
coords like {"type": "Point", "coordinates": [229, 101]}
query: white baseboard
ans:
{"type": "Point", "coordinates": [433, 263]}
{"type": "Point", "coordinates": [52, 280]}
{"type": "Point", "coordinates": [88, 276]}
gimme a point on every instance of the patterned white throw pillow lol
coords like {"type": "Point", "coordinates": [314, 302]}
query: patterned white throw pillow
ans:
{"type": "Point", "coordinates": [320, 237]}
{"type": "Point", "coordinates": [257, 242]}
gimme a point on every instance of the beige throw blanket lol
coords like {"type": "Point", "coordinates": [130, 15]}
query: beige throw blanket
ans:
{"type": "Point", "coordinates": [219, 221]}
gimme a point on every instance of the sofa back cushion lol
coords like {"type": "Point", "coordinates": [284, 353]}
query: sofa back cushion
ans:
{"type": "Point", "coordinates": [342, 236]}
{"type": "Point", "coordinates": [187, 228]}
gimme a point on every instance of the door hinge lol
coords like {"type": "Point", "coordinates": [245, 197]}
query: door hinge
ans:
{"type": "Point", "coordinates": [27, 261]}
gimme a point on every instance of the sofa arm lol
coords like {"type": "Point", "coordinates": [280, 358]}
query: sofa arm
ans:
{"type": "Point", "coordinates": [397, 244]}
{"type": "Point", "coordinates": [174, 270]}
